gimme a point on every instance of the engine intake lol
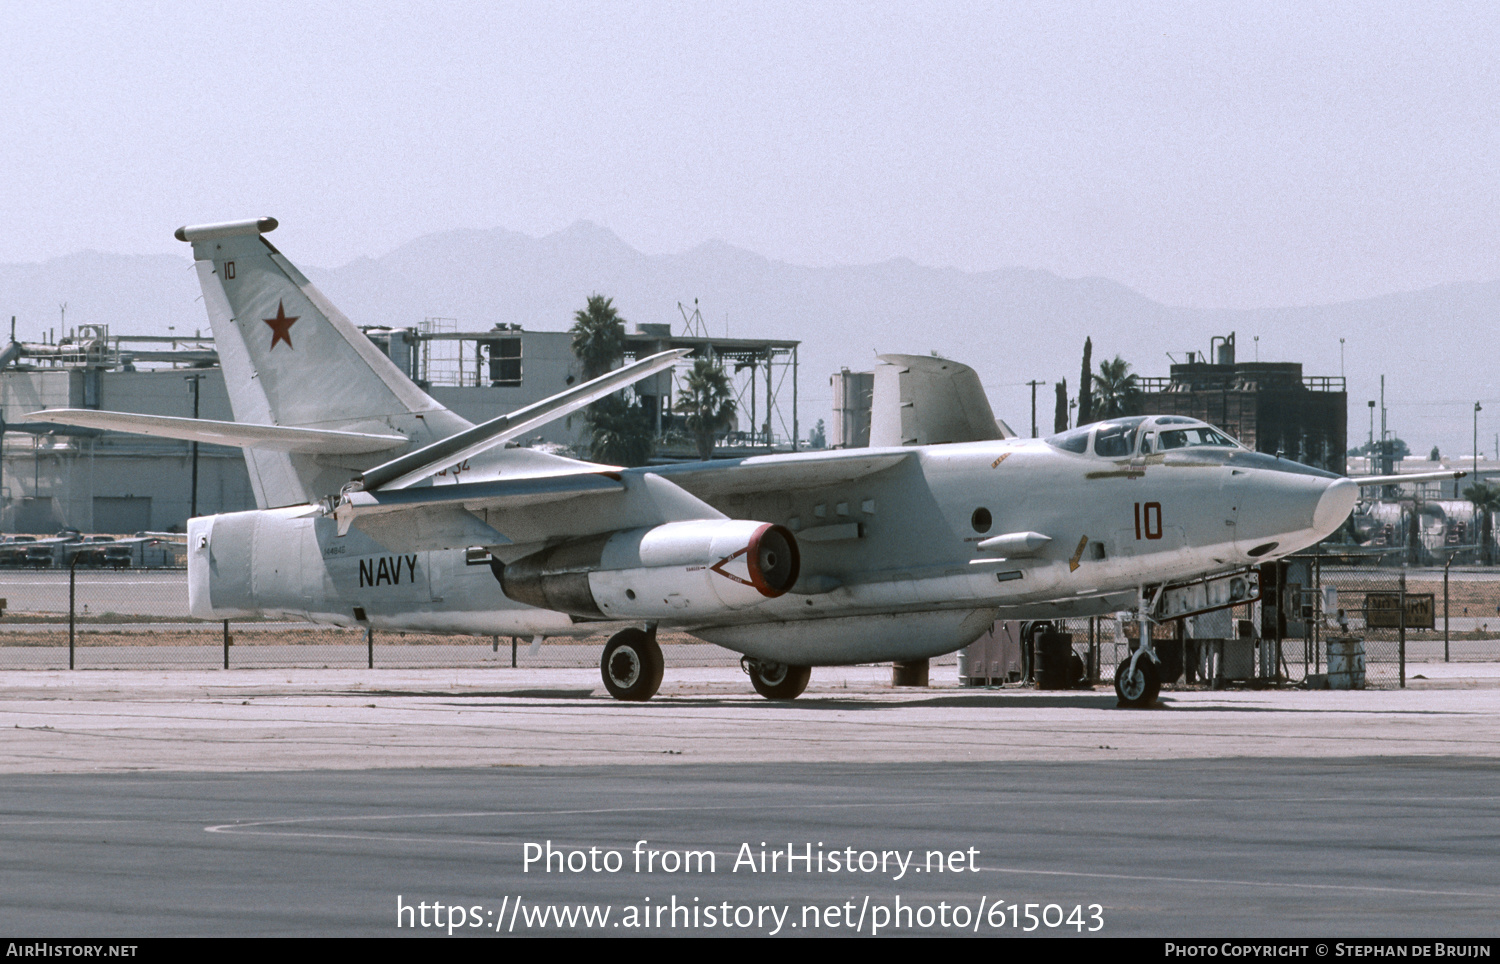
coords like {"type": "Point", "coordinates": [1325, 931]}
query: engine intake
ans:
{"type": "Point", "coordinates": [674, 570]}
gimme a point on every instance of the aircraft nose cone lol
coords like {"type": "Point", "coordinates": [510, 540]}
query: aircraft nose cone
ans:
{"type": "Point", "coordinates": [1335, 505]}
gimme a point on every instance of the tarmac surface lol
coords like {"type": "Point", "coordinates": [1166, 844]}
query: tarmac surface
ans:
{"type": "Point", "coordinates": [322, 802]}
{"type": "Point", "coordinates": [146, 592]}
{"type": "Point", "coordinates": [90, 721]}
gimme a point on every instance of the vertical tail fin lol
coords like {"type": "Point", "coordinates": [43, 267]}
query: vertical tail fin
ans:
{"type": "Point", "coordinates": [291, 358]}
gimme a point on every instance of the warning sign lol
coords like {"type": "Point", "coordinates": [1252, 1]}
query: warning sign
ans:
{"type": "Point", "coordinates": [1383, 610]}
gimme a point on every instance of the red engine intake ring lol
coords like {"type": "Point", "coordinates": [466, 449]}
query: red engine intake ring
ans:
{"type": "Point", "coordinates": [773, 560]}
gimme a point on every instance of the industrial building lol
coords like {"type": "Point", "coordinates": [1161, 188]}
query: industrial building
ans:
{"type": "Point", "coordinates": [853, 393]}
{"type": "Point", "coordinates": [1269, 406]}
{"type": "Point", "coordinates": [55, 476]}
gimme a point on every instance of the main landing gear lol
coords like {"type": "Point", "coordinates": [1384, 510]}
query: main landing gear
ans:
{"type": "Point", "coordinates": [632, 665]}
{"type": "Point", "coordinates": [776, 681]}
{"type": "Point", "coordinates": [632, 670]}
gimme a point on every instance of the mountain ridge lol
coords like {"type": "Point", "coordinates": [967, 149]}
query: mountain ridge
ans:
{"type": "Point", "coordinates": [1012, 324]}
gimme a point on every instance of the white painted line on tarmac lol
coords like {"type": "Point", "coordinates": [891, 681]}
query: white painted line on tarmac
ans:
{"type": "Point", "coordinates": [1362, 888]}
{"type": "Point", "coordinates": [250, 827]}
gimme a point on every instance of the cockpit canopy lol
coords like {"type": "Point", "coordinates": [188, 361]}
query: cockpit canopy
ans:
{"type": "Point", "coordinates": [1123, 438]}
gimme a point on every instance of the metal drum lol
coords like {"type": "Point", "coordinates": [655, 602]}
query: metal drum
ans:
{"type": "Point", "coordinates": [1346, 663]}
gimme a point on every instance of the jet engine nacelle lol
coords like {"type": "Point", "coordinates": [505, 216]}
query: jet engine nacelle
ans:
{"type": "Point", "coordinates": [675, 570]}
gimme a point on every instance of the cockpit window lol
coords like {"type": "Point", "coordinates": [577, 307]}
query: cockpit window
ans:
{"type": "Point", "coordinates": [1190, 437]}
{"type": "Point", "coordinates": [1076, 440]}
{"type": "Point", "coordinates": [1116, 440]}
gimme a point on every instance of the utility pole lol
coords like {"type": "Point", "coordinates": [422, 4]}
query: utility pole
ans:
{"type": "Point", "coordinates": [193, 500]}
{"type": "Point", "coordinates": [1477, 410]}
{"type": "Point", "coordinates": [1034, 383]}
{"type": "Point", "coordinates": [1384, 450]}
{"type": "Point", "coordinates": [2, 410]}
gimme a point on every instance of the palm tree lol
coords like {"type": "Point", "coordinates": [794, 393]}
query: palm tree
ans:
{"type": "Point", "coordinates": [621, 429]}
{"type": "Point", "coordinates": [1114, 389]}
{"type": "Point", "coordinates": [598, 336]}
{"type": "Point", "coordinates": [622, 433]}
{"type": "Point", "coordinates": [1486, 499]}
{"type": "Point", "coordinates": [708, 404]}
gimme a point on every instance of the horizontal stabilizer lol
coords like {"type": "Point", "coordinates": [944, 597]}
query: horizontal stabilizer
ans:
{"type": "Point", "coordinates": [274, 438]}
{"type": "Point", "coordinates": [431, 459]}
{"type": "Point", "coordinates": [1370, 480]}
{"type": "Point", "coordinates": [225, 229]}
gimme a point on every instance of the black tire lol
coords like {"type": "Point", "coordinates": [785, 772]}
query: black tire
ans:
{"type": "Point", "coordinates": [777, 681]}
{"type": "Point", "coordinates": [1142, 689]}
{"type": "Point", "coordinates": [632, 666]}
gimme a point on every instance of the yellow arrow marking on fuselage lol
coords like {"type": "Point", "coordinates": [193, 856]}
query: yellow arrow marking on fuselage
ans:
{"type": "Point", "coordinates": [1077, 554]}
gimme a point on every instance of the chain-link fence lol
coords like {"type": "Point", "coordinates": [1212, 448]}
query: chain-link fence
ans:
{"type": "Point", "coordinates": [134, 618]}
{"type": "Point", "coordinates": [138, 618]}
{"type": "Point", "coordinates": [1402, 616]}
{"type": "Point", "coordinates": [1384, 621]}
{"type": "Point", "coordinates": [1203, 652]}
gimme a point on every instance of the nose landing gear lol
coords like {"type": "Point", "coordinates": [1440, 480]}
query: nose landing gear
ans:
{"type": "Point", "coordinates": [1138, 681]}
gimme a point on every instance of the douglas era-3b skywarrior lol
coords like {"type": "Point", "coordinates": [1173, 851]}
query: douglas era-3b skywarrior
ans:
{"type": "Point", "coordinates": [809, 559]}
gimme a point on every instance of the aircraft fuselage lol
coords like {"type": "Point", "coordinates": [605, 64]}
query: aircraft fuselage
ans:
{"type": "Point", "coordinates": [891, 567]}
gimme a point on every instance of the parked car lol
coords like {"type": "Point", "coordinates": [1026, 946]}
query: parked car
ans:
{"type": "Point", "coordinates": [41, 554]}
{"type": "Point", "coordinates": [13, 550]}
{"type": "Point", "coordinates": [120, 555]}
{"type": "Point", "coordinates": [88, 551]}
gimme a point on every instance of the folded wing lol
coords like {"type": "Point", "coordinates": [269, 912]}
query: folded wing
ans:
{"type": "Point", "coordinates": [275, 438]}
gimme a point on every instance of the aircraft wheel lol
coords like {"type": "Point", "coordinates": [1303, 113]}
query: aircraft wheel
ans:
{"type": "Point", "coordinates": [1142, 687]}
{"type": "Point", "coordinates": [777, 681]}
{"type": "Point", "coordinates": [632, 666]}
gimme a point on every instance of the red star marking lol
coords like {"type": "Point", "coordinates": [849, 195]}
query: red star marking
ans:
{"type": "Point", "coordinates": [281, 326]}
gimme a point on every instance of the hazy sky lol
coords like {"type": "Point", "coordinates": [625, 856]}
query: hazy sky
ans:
{"type": "Point", "coordinates": [1212, 155]}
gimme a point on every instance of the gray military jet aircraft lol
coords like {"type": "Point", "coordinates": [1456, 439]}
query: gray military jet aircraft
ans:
{"type": "Point", "coordinates": [378, 506]}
